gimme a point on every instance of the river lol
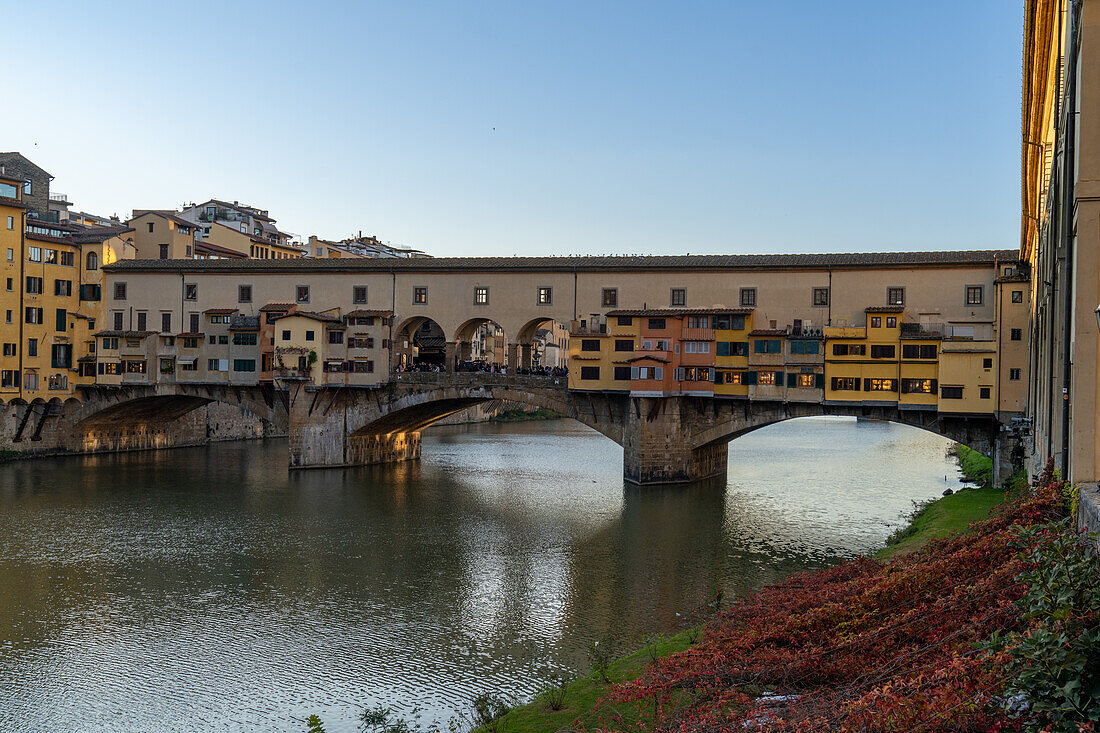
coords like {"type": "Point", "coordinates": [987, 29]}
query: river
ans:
{"type": "Point", "coordinates": [211, 589]}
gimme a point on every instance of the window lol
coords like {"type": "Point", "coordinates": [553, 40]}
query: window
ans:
{"type": "Point", "coordinates": [61, 356]}
{"type": "Point", "coordinates": [336, 337]}
{"type": "Point", "coordinates": [951, 393]}
{"type": "Point", "coordinates": [987, 363]}
{"type": "Point", "coordinates": [9, 349]}
{"type": "Point", "coordinates": [188, 366]}
{"type": "Point", "coordinates": [34, 254]}
{"type": "Point", "coordinates": [895, 296]}
{"type": "Point", "coordinates": [65, 258]}
{"type": "Point", "coordinates": [248, 338]}
{"type": "Point", "coordinates": [1017, 296]}
{"type": "Point", "coordinates": [165, 322]}
{"type": "Point", "coordinates": [845, 384]}
{"type": "Point", "coordinates": [624, 345]}
{"type": "Point", "coordinates": [163, 250]}
{"type": "Point", "coordinates": [821, 297]}
{"type": "Point", "coordinates": [590, 344]}
{"type": "Point", "coordinates": [11, 284]}
{"type": "Point", "coordinates": [657, 324]}
{"type": "Point", "coordinates": [678, 297]}
{"type": "Point", "coordinates": [879, 351]}
{"type": "Point", "coordinates": [622, 373]}
{"type": "Point", "coordinates": [696, 347]}
{"type": "Point", "coordinates": [151, 229]}
{"type": "Point", "coordinates": [244, 293]}
{"type": "Point", "coordinates": [728, 378]}
{"type": "Point", "coordinates": [91, 262]}
{"type": "Point", "coordinates": [748, 297]}
{"type": "Point", "coordinates": [194, 317]}
{"type": "Point", "coordinates": [309, 335]}
{"type": "Point", "coordinates": [624, 320]}
{"type": "Point", "coordinates": [1016, 334]}
{"type": "Point", "coordinates": [983, 393]}
{"type": "Point", "coordinates": [918, 351]}
{"type": "Point", "coordinates": [50, 256]}
{"type": "Point", "coordinates": [63, 288]}
{"type": "Point", "coordinates": [286, 335]}
{"type": "Point", "coordinates": [32, 347]}
{"type": "Point", "coordinates": [805, 347]}
{"type": "Point", "coordinates": [545, 296]}
{"type": "Point", "coordinates": [651, 373]}
{"type": "Point", "coordinates": [33, 315]}
{"type": "Point", "coordinates": [767, 346]}
{"type": "Point", "coordinates": [974, 294]}
{"type": "Point", "coordinates": [223, 339]}
{"type": "Point", "coordinates": [698, 322]}
{"type": "Point", "coordinates": [217, 365]}
{"type": "Point", "coordinates": [420, 296]}
{"type": "Point", "coordinates": [301, 294]}
{"type": "Point", "coordinates": [590, 372]}
{"type": "Point", "coordinates": [142, 320]}
{"type": "Point", "coordinates": [358, 342]}
{"type": "Point", "coordinates": [359, 294]}
{"type": "Point", "coordinates": [118, 320]}
{"type": "Point", "coordinates": [112, 367]}
{"type": "Point", "coordinates": [11, 255]}
{"type": "Point", "coordinates": [876, 321]}
{"type": "Point", "coordinates": [9, 378]}
{"type": "Point", "coordinates": [190, 342]}
{"type": "Point", "coordinates": [30, 380]}
{"type": "Point", "coordinates": [481, 295]}
{"type": "Point", "coordinates": [609, 297]}
{"type": "Point", "coordinates": [11, 222]}
{"type": "Point", "coordinates": [59, 320]}
{"type": "Point", "coordinates": [1014, 375]}
{"type": "Point", "coordinates": [191, 292]}
{"type": "Point", "coordinates": [697, 374]}
{"type": "Point", "coordinates": [891, 322]}
{"type": "Point", "coordinates": [28, 188]}
{"type": "Point", "coordinates": [918, 386]}
{"type": "Point", "coordinates": [880, 385]}
{"type": "Point", "coordinates": [807, 381]}
{"type": "Point", "coordinates": [244, 365]}
{"type": "Point", "coordinates": [766, 378]}
{"type": "Point", "coordinates": [34, 285]}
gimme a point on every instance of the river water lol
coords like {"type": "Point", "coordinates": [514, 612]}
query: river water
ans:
{"type": "Point", "coordinates": [212, 589]}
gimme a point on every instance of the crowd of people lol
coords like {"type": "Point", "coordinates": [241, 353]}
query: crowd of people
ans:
{"type": "Point", "coordinates": [485, 368]}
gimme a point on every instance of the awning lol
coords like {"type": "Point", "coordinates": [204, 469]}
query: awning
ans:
{"type": "Point", "coordinates": [185, 359]}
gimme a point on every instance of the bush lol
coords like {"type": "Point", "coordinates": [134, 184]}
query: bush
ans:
{"type": "Point", "coordinates": [600, 656]}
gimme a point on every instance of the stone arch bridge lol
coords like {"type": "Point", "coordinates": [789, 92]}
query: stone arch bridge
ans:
{"type": "Point", "coordinates": [664, 440]}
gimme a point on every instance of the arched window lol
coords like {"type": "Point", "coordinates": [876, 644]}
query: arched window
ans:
{"type": "Point", "coordinates": [93, 261]}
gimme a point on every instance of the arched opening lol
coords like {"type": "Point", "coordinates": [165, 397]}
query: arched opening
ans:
{"type": "Point", "coordinates": [92, 261]}
{"type": "Point", "coordinates": [481, 345]}
{"type": "Point", "coordinates": [419, 344]}
{"type": "Point", "coordinates": [544, 347]}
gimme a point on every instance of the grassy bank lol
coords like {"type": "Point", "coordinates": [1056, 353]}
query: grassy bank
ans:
{"type": "Point", "coordinates": [942, 517]}
{"type": "Point", "coordinates": [976, 468]}
{"type": "Point", "coordinates": [6, 456]}
{"type": "Point", "coordinates": [516, 414]}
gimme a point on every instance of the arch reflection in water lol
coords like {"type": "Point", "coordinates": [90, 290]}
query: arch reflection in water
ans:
{"type": "Point", "coordinates": [198, 588]}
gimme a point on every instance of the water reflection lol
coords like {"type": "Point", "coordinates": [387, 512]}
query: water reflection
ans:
{"type": "Point", "coordinates": [200, 588]}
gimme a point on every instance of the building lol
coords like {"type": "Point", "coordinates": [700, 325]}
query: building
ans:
{"type": "Point", "coordinates": [332, 349]}
{"type": "Point", "coordinates": [1060, 234]}
{"type": "Point", "coordinates": [162, 235]}
{"type": "Point", "coordinates": [35, 183]}
{"type": "Point", "coordinates": [247, 220]}
{"type": "Point", "coordinates": [226, 241]}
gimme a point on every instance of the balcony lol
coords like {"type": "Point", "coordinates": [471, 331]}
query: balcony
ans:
{"type": "Point", "coordinates": [922, 330]}
{"type": "Point", "coordinates": [244, 323]}
{"type": "Point", "coordinates": [697, 334]}
{"type": "Point", "coordinates": [291, 373]}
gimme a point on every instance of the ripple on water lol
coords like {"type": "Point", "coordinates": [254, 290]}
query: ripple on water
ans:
{"type": "Point", "coordinates": [205, 589]}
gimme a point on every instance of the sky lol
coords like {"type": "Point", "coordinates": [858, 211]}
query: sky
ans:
{"type": "Point", "coordinates": [538, 128]}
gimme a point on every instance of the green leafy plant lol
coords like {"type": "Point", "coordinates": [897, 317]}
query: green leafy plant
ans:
{"type": "Point", "coordinates": [555, 693]}
{"type": "Point", "coordinates": [600, 655]}
{"type": "Point", "coordinates": [315, 724]}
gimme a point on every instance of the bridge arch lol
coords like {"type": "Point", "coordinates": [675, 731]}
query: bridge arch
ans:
{"type": "Point", "coordinates": [419, 339]}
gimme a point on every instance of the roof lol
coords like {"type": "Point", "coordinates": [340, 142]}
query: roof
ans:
{"type": "Point", "coordinates": [646, 357]}
{"type": "Point", "coordinates": [885, 309]}
{"type": "Point", "coordinates": [768, 332]}
{"type": "Point", "coordinates": [9, 158]}
{"type": "Point", "coordinates": [312, 315]}
{"type": "Point", "coordinates": [99, 234]}
{"type": "Point", "coordinates": [220, 311]}
{"type": "Point", "coordinates": [190, 335]}
{"type": "Point", "coordinates": [361, 313]}
{"type": "Point", "coordinates": [208, 247]}
{"type": "Point", "coordinates": [169, 215]}
{"type": "Point", "coordinates": [672, 312]}
{"type": "Point", "coordinates": [973, 258]}
{"type": "Point", "coordinates": [278, 306]}
{"type": "Point", "coordinates": [125, 334]}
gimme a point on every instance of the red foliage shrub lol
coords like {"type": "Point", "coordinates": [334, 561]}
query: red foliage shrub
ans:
{"type": "Point", "coordinates": [863, 646]}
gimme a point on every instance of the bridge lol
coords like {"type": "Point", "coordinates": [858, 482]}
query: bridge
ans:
{"type": "Point", "coordinates": [664, 439]}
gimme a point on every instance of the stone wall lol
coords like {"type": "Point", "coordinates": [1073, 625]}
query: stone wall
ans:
{"type": "Point", "coordinates": [1088, 510]}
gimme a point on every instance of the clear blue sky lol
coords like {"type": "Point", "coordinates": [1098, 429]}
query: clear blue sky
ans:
{"type": "Point", "coordinates": [500, 128]}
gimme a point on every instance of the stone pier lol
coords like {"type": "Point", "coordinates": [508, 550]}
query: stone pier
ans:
{"type": "Point", "coordinates": [657, 446]}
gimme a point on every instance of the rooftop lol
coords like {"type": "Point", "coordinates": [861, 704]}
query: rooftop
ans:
{"type": "Point", "coordinates": [674, 312]}
{"type": "Point", "coordinates": [974, 258]}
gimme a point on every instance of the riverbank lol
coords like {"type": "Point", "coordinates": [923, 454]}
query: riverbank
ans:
{"type": "Point", "coordinates": [517, 414]}
{"type": "Point", "coordinates": [932, 639]}
{"type": "Point", "coordinates": [960, 513]}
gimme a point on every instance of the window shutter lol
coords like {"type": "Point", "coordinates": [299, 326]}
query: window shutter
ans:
{"type": "Point", "coordinates": [819, 381]}
{"type": "Point", "coordinates": [659, 373]}
{"type": "Point", "coordinates": [935, 386]}
{"type": "Point", "coordinates": [633, 372]}
{"type": "Point", "coordinates": [678, 374]}
{"type": "Point", "coordinates": [866, 385]}
{"type": "Point", "coordinates": [792, 379]}
{"type": "Point", "coordinates": [748, 378]}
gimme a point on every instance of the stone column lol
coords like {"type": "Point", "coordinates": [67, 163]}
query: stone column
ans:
{"type": "Point", "coordinates": [1001, 450]}
{"type": "Point", "coordinates": [525, 350]}
{"type": "Point", "coordinates": [466, 350]}
{"type": "Point", "coordinates": [449, 356]}
{"type": "Point", "coordinates": [657, 447]}
{"type": "Point", "coordinates": [513, 357]}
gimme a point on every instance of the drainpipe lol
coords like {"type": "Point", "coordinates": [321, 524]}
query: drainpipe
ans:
{"type": "Point", "coordinates": [1069, 196]}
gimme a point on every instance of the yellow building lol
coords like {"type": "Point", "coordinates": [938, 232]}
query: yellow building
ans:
{"type": "Point", "coordinates": [12, 216]}
{"type": "Point", "coordinates": [732, 355]}
{"type": "Point", "coordinates": [161, 235]}
{"type": "Point", "coordinates": [228, 238]}
{"type": "Point", "coordinates": [600, 353]}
